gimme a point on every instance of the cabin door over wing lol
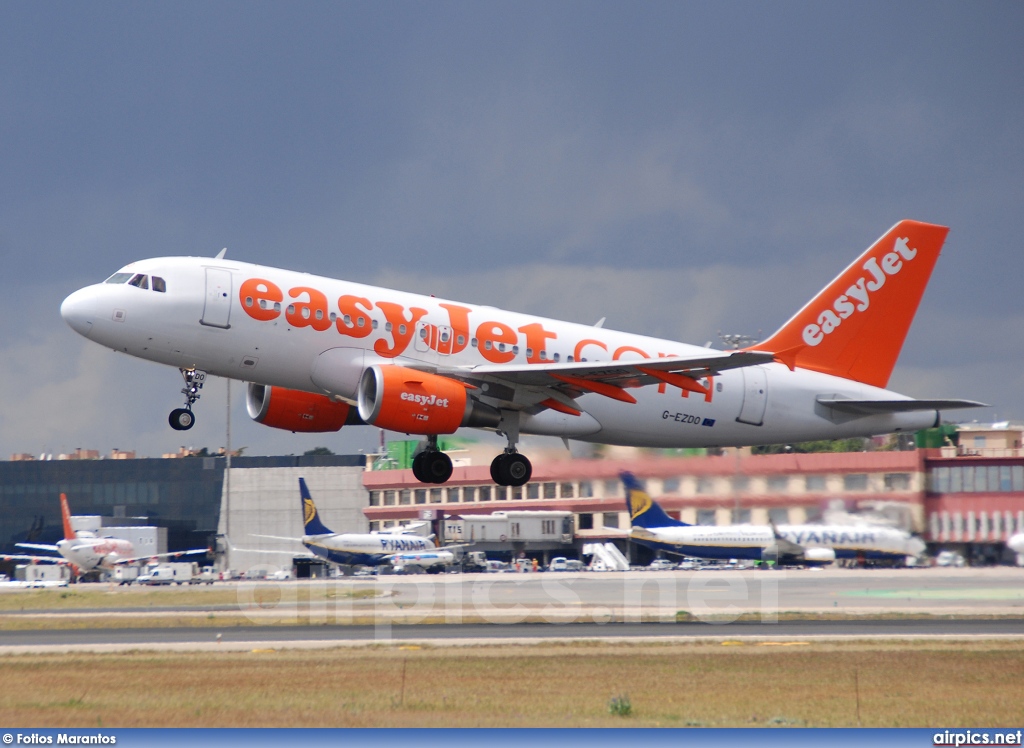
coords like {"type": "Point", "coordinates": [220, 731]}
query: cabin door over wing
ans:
{"type": "Point", "coordinates": [217, 310]}
{"type": "Point", "coordinates": [755, 395]}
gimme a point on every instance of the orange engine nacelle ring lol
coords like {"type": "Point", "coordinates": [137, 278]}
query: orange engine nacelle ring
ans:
{"type": "Point", "coordinates": [294, 410]}
{"type": "Point", "coordinates": [413, 402]}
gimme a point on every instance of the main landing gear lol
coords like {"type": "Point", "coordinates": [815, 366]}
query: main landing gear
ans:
{"type": "Point", "coordinates": [510, 468]}
{"type": "Point", "coordinates": [432, 465]}
{"type": "Point", "coordinates": [182, 419]}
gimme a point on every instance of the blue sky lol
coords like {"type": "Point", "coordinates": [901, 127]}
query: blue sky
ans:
{"type": "Point", "coordinates": [679, 168]}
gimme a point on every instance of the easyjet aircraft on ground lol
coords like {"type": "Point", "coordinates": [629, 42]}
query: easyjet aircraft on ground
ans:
{"type": "Point", "coordinates": [322, 353]}
{"type": "Point", "coordinates": [86, 552]}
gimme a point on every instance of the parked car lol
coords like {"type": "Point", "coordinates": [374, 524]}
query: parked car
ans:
{"type": "Point", "coordinates": [661, 564]}
{"type": "Point", "coordinates": [558, 563]}
{"type": "Point", "coordinates": [561, 563]}
{"type": "Point", "coordinates": [949, 558]}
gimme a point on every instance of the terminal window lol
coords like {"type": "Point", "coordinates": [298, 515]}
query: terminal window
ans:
{"type": "Point", "coordinates": [814, 483]}
{"type": "Point", "coordinates": [855, 482]}
{"type": "Point", "coordinates": [706, 517]}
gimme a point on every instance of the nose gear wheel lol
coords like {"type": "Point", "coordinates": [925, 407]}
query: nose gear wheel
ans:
{"type": "Point", "coordinates": [182, 419]}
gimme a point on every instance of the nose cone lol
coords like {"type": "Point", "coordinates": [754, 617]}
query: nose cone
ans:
{"type": "Point", "coordinates": [915, 547]}
{"type": "Point", "coordinates": [79, 311]}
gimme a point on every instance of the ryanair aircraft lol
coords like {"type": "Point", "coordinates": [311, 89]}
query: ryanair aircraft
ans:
{"type": "Point", "coordinates": [364, 549]}
{"type": "Point", "coordinates": [795, 545]}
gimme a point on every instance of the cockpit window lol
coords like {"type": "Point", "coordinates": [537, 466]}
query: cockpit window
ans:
{"type": "Point", "coordinates": [118, 278]}
{"type": "Point", "coordinates": [159, 285]}
{"type": "Point", "coordinates": [140, 281]}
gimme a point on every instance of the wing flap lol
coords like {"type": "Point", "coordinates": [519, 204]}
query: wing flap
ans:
{"type": "Point", "coordinates": [882, 407]}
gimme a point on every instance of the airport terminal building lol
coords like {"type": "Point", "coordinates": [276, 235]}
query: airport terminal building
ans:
{"type": "Point", "coordinates": [194, 498]}
{"type": "Point", "coordinates": [968, 497]}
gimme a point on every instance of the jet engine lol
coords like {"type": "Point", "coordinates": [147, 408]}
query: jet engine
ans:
{"type": "Point", "coordinates": [417, 402]}
{"type": "Point", "coordinates": [294, 410]}
{"type": "Point", "coordinates": [819, 555]}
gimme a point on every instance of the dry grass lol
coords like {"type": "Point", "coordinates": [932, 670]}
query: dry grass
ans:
{"type": "Point", "coordinates": [571, 685]}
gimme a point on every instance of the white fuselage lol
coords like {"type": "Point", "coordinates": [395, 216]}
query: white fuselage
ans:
{"type": "Point", "coordinates": [95, 553]}
{"type": "Point", "coordinates": [1016, 543]}
{"type": "Point", "coordinates": [369, 549]}
{"type": "Point", "coordinates": [847, 541]}
{"type": "Point", "coordinates": [218, 316]}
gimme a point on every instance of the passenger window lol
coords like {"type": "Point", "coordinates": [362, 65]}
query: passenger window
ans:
{"type": "Point", "coordinates": [159, 285]}
{"type": "Point", "coordinates": [140, 281]}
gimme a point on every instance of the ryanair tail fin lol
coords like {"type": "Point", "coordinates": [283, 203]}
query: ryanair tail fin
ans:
{"type": "Point", "coordinates": [310, 517]}
{"type": "Point", "coordinates": [855, 327]}
{"type": "Point", "coordinates": [643, 510]}
{"type": "Point", "coordinates": [65, 514]}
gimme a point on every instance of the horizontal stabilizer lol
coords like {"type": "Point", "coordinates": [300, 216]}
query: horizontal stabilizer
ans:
{"type": "Point", "coordinates": [882, 407]}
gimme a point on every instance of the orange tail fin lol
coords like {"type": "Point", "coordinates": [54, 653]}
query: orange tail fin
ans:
{"type": "Point", "coordinates": [65, 514]}
{"type": "Point", "coordinates": [856, 326]}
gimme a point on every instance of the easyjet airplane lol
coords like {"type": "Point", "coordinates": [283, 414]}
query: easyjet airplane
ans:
{"type": "Point", "coordinates": [320, 353]}
{"type": "Point", "coordinates": [84, 551]}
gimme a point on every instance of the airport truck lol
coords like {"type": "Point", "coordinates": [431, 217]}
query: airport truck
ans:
{"type": "Point", "coordinates": [182, 572]}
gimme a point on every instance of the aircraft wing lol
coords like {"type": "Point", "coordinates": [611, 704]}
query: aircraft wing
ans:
{"type": "Point", "coordinates": [563, 381]}
{"type": "Point", "coordinates": [273, 537]}
{"type": "Point", "coordinates": [880, 407]}
{"type": "Point", "coordinates": [169, 554]}
{"type": "Point", "coordinates": [293, 554]}
{"type": "Point", "coordinates": [38, 546]}
{"type": "Point", "coordinates": [785, 547]}
{"type": "Point", "coordinates": [35, 559]}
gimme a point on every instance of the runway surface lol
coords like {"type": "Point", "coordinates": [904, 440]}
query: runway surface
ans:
{"type": "Point", "coordinates": [530, 608]}
{"type": "Point", "coordinates": [227, 639]}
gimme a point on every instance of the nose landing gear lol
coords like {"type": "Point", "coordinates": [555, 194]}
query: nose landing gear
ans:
{"type": "Point", "coordinates": [182, 419]}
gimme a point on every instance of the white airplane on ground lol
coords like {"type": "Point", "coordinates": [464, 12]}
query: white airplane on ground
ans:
{"type": "Point", "coordinates": [363, 549]}
{"type": "Point", "coordinates": [86, 552]}
{"type": "Point", "coordinates": [312, 348]}
{"type": "Point", "coordinates": [804, 545]}
{"type": "Point", "coordinates": [1016, 544]}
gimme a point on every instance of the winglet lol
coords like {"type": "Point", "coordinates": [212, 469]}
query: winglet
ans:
{"type": "Point", "coordinates": [856, 326]}
{"type": "Point", "coordinates": [65, 514]}
{"type": "Point", "coordinates": [310, 516]}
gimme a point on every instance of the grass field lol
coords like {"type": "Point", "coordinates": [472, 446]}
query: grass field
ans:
{"type": "Point", "coordinates": [968, 684]}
